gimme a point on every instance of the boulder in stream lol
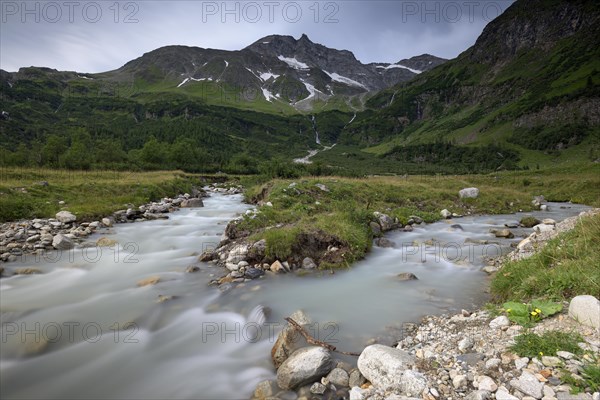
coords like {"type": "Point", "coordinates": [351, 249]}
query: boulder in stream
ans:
{"type": "Point", "coordinates": [406, 276]}
{"type": "Point", "coordinates": [62, 242]}
{"type": "Point", "coordinates": [304, 366]}
{"type": "Point", "coordinates": [289, 339]}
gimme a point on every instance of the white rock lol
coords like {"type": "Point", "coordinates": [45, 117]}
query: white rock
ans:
{"type": "Point", "coordinates": [502, 394]}
{"type": "Point", "coordinates": [384, 366]}
{"type": "Point", "coordinates": [232, 266]}
{"type": "Point", "coordinates": [500, 322]}
{"type": "Point", "coordinates": [469, 193]}
{"type": "Point", "coordinates": [304, 366]}
{"type": "Point", "coordinates": [586, 310]}
{"type": "Point", "coordinates": [548, 391]}
{"type": "Point", "coordinates": [528, 384]}
{"type": "Point", "coordinates": [318, 388]}
{"type": "Point", "coordinates": [338, 377]}
{"type": "Point", "coordinates": [62, 242]}
{"type": "Point", "coordinates": [357, 393]}
{"type": "Point", "coordinates": [237, 253]}
{"type": "Point", "coordinates": [459, 381]}
{"type": "Point", "coordinates": [445, 213]}
{"type": "Point", "coordinates": [413, 383]}
{"type": "Point", "coordinates": [487, 383]}
{"type": "Point", "coordinates": [550, 361]}
{"type": "Point", "coordinates": [565, 354]}
{"type": "Point", "coordinates": [493, 363]}
{"type": "Point", "coordinates": [548, 221]}
{"type": "Point", "coordinates": [107, 222]}
{"type": "Point", "coordinates": [521, 363]}
{"type": "Point", "coordinates": [543, 228]}
{"type": "Point", "coordinates": [523, 244]}
{"type": "Point", "coordinates": [478, 395]}
{"type": "Point", "coordinates": [465, 344]}
{"type": "Point", "coordinates": [65, 217]}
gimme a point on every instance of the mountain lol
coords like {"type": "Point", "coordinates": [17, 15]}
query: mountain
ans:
{"type": "Point", "coordinates": [530, 84]}
{"type": "Point", "coordinates": [276, 69]}
{"type": "Point", "coordinates": [525, 94]}
{"type": "Point", "coordinates": [275, 74]}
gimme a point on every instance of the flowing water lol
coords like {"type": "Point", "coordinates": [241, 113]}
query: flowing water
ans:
{"type": "Point", "coordinates": [84, 329]}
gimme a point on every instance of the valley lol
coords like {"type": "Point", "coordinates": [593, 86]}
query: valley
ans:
{"type": "Point", "coordinates": [283, 219]}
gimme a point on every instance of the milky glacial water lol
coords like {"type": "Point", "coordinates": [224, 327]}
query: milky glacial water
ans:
{"type": "Point", "coordinates": [84, 329]}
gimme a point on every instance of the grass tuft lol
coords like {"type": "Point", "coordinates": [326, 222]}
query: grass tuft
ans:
{"type": "Point", "coordinates": [534, 345]}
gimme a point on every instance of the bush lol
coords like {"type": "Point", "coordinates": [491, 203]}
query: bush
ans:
{"type": "Point", "coordinates": [529, 222]}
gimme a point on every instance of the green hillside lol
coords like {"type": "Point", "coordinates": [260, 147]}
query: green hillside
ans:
{"type": "Point", "coordinates": [526, 95]}
{"type": "Point", "coordinates": [530, 84]}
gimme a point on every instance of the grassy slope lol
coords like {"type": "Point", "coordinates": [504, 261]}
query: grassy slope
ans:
{"type": "Point", "coordinates": [471, 103]}
{"type": "Point", "coordinates": [347, 209]}
{"type": "Point", "coordinates": [567, 266]}
{"type": "Point", "coordinates": [89, 195]}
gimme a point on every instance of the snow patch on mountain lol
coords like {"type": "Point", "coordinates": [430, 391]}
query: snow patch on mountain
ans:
{"type": "Point", "coordinates": [311, 89]}
{"type": "Point", "coordinates": [414, 71]}
{"type": "Point", "coordinates": [184, 82]}
{"type": "Point", "coordinates": [265, 76]}
{"type": "Point", "coordinates": [268, 95]}
{"type": "Point", "coordinates": [292, 62]}
{"type": "Point", "coordinates": [339, 78]}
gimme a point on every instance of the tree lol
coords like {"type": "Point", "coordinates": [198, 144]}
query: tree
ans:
{"type": "Point", "coordinates": [54, 147]}
{"type": "Point", "coordinates": [186, 155]}
{"type": "Point", "coordinates": [243, 164]}
{"type": "Point", "coordinates": [154, 153]}
{"type": "Point", "coordinates": [109, 153]}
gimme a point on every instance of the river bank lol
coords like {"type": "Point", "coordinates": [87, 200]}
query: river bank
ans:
{"type": "Point", "coordinates": [469, 355]}
{"type": "Point", "coordinates": [35, 238]}
{"type": "Point", "coordinates": [171, 305]}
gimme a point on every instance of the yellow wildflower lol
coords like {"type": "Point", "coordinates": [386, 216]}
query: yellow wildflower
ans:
{"type": "Point", "coordinates": [534, 313]}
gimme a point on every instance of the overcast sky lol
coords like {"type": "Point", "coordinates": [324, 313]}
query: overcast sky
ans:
{"type": "Point", "coordinates": [96, 36]}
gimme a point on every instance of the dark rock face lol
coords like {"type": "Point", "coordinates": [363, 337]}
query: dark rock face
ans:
{"type": "Point", "coordinates": [516, 30]}
{"type": "Point", "coordinates": [284, 66]}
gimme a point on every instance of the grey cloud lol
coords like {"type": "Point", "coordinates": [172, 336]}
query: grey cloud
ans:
{"type": "Point", "coordinates": [385, 31]}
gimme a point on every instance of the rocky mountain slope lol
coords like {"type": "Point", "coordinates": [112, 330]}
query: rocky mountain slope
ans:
{"type": "Point", "coordinates": [530, 82]}
{"type": "Point", "coordinates": [275, 69]}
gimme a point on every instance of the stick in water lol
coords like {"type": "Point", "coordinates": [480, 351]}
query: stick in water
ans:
{"type": "Point", "coordinates": [313, 341]}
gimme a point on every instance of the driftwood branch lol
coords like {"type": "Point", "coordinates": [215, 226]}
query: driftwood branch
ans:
{"type": "Point", "coordinates": [315, 342]}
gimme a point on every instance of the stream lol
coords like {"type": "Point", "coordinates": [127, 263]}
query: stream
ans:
{"type": "Point", "coordinates": [83, 328]}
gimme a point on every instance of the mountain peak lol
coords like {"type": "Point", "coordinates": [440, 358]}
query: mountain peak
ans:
{"type": "Point", "coordinates": [304, 38]}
